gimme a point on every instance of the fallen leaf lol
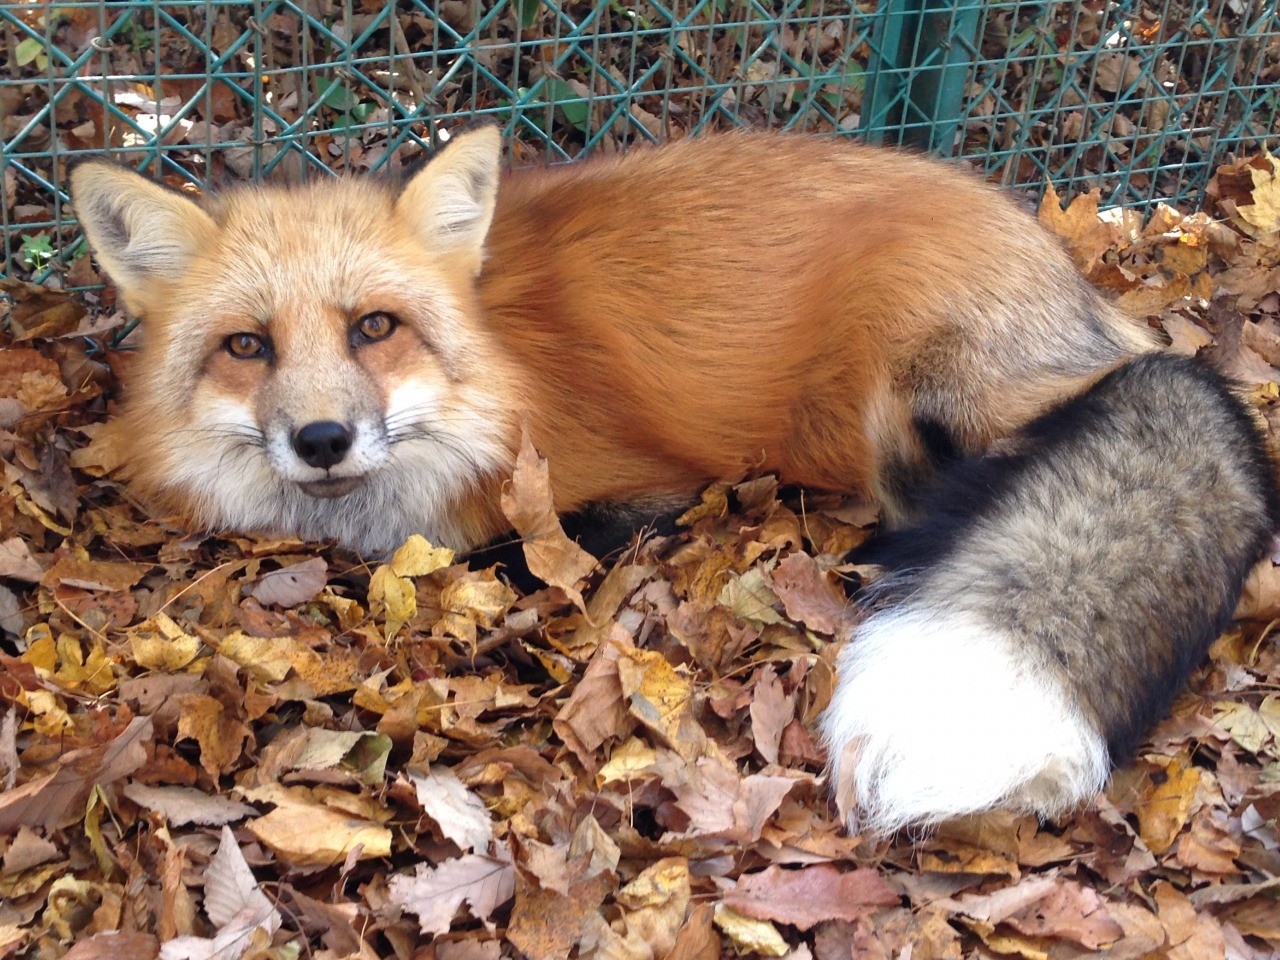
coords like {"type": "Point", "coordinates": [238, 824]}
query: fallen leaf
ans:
{"type": "Point", "coordinates": [1165, 809]}
{"type": "Point", "coordinates": [459, 813]}
{"type": "Point", "coordinates": [436, 893]}
{"type": "Point", "coordinates": [292, 585]}
{"type": "Point", "coordinates": [308, 834]}
{"type": "Point", "coordinates": [808, 595]}
{"type": "Point", "coordinates": [771, 710]}
{"type": "Point", "coordinates": [182, 805]}
{"type": "Point", "coordinates": [811, 895]}
{"type": "Point", "coordinates": [57, 800]}
{"type": "Point", "coordinates": [748, 935]}
{"type": "Point", "coordinates": [16, 561]}
{"type": "Point", "coordinates": [527, 502]}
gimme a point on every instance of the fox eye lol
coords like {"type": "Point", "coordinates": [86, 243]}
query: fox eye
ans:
{"type": "Point", "coordinates": [246, 346]}
{"type": "Point", "coordinates": [374, 326]}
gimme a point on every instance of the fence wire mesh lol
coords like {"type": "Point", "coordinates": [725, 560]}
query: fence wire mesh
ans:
{"type": "Point", "coordinates": [1140, 98]}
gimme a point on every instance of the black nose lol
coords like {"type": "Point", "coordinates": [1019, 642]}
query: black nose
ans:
{"type": "Point", "coordinates": [323, 443]}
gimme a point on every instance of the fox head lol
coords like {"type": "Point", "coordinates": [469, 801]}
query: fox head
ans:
{"type": "Point", "coordinates": [312, 361]}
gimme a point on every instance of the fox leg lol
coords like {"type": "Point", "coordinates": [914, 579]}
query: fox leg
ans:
{"type": "Point", "coordinates": [1050, 600]}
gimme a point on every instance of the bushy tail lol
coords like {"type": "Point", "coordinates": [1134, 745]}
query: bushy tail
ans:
{"type": "Point", "coordinates": [1051, 601]}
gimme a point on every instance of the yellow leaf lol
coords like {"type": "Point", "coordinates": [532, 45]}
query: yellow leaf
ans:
{"type": "Point", "coordinates": [348, 612]}
{"type": "Point", "coordinates": [1167, 807]}
{"type": "Point", "coordinates": [1263, 215]}
{"type": "Point", "coordinates": [750, 936]}
{"type": "Point", "coordinates": [630, 761]}
{"type": "Point", "coordinates": [42, 649]}
{"type": "Point", "coordinates": [51, 716]}
{"type": "Point", "coordinates": [1246, 727]}
{"type": "Point", "coordinates": [417, 558]}
{"type": "Point", "coordinates": [393, 598]}
{"type": "Point", "coordinates": [1269, 711]}
{"type": "Point", "coordinates": [662, 700]}
{"type": "Point", "coordinates": [482, 601]}
{"type": "Point", "coordinates": [311, 835]}
{"type": "Point", "coordinates": [751, 598]}
{"type": "Point", "coordinates": [715, 503]}
{"type": "Point", "coordinates": [266, 658]}
{"type": "Point", "coordinates": [160, 644]}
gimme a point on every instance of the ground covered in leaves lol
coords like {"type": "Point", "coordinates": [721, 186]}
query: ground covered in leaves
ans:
{"type": "Point", "coordinates": [229, 746]}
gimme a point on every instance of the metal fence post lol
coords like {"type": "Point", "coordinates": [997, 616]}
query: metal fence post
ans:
{"type": "Point", "coordinates": [919, 67]}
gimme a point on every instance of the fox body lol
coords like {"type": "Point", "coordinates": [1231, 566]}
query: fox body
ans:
{"type": "Point", "coordinates": [356, 359]}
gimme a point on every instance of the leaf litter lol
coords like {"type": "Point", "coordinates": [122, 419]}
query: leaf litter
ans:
{"type": "Point", "coordinates": [240, 747]}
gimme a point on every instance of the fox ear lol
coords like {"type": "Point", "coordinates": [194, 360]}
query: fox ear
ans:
{"type": "Point", "coordinates": [450, 202]}
{"type": "Point", "coordinates": [140, 231]}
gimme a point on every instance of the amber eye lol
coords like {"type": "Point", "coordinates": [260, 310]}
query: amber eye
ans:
{"type": "Point", "coordinates": [246, 346]}
{"type": "Point", "coordinates": [375, 326]}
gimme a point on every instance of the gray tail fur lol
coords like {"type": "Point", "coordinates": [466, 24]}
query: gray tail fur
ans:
{"type": "Point", "coordinates": [1052, 600]}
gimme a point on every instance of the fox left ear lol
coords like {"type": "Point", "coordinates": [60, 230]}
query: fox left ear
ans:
{"type": "Point", "coordinates": [450, 202]}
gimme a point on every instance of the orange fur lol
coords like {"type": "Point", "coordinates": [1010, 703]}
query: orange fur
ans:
{"type": "Point", "coordinates": [660, 319]}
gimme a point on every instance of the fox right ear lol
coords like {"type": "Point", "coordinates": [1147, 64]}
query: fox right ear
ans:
{"type": "Point", "coordinates": [139, 231]}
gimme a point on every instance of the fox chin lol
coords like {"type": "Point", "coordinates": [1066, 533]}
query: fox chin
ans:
{"type": "Point", "coordinates": [355, 359]}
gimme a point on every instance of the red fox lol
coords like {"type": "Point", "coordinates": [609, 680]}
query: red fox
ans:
{"type": "Point", "coordinates": [355, 359]}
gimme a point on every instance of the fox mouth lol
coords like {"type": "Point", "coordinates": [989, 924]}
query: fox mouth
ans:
{"type": "Point", "coordinates": [330, 487]}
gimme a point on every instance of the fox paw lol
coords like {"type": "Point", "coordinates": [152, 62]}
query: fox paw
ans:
{"type": "Point", "coordinates": [937, 714]}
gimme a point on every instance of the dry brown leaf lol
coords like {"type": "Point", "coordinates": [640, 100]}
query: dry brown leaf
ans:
{"type": "Point", "coordinates": [220, 735]}
{"type": "Point", "coordinates": [771, 710]}
{"type": "Point", "coordinates": [527, 502]}
{"type": "Point", "coordinates": [307, 834]}
{"type": "Point", "coordinates": [26, 850]}
{"type": "Point", "coordinates": [720, 802]}
{"type": "Point", "coordinates": [111, 576]}
{"type": "Point", "coordinates": [1186, 338]}
{"type": "Point", "coordinates": [656, 903]}
{"type": "Point", "coordinates": [230, 890]}
{"type": "Point", "coordinates": [809, 896]}
{"type": "Point", "coordinates": [57, 800]}
{"type": "Point", "coordinates": [292, 585]}
{"type": "Point", "coordinates": [16, 561]}
{"type": "Point", "coordinates": [1087, 237]}
{"type": "Point", "coordinates": [182, 805]}
{"type": "Point", "coordinates": [1068, 911]}
{"type": "Point", "coordinates": [1261, 597]}
{"type": "Point", "coordinates": [809, 596]}
{"type": "Point", "coordinates": [114, 945]}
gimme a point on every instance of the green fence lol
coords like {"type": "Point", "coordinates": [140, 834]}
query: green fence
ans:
{"type": "Point", "coordinates": [1139, 99]}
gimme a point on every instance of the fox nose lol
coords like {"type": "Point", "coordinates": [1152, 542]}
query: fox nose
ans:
{"type": "Point", "coordinates": [322, 444]}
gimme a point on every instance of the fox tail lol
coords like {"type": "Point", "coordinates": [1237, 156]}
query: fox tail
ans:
{"type": "Point", "coordinates": [1051, 601]}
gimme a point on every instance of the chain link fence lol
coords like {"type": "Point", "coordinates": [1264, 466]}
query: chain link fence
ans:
{"type": "Point", "coordinates": [1138, 99]}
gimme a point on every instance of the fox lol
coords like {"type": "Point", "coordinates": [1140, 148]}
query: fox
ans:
{"type": "Point", "coordinates": [1067, 513]}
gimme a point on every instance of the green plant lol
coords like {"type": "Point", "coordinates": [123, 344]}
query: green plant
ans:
{"type": "Point", "coordinates": [36, 250]}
